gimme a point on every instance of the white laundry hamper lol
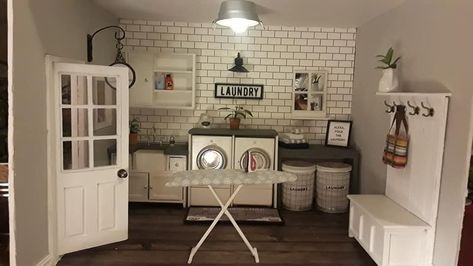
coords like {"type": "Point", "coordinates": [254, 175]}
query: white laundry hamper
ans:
{"type": "Point", "coordinates": [333, 182]}
{"type": "Point", "coordinates": [298, 195]}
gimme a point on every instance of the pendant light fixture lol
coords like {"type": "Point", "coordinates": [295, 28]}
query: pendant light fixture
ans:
{"type": "Point", "coordinates": [238, 15]}
{"type": "Point", "coordinates": [238, 65]}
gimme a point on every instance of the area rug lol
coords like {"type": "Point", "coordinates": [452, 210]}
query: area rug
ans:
{"type": "Point", "coordinates": [251, 215]}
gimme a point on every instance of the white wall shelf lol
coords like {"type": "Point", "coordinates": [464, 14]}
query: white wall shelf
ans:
{"type": "Point", "coordinates": [414, 94]}
{"type": "Point", "coordinates": [151, 67]}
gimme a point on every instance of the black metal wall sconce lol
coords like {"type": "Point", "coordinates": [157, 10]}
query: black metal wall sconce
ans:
{"type": "Point", "coordinates": [119, 59]}
{"type": "Point", "coordinates": [238, 65]}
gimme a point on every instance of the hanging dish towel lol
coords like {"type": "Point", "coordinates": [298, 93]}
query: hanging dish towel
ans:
{"type": "Point", "coordinates": [397, 144]}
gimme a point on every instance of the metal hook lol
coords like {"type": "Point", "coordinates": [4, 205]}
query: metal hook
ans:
{"type": "Point", "coordinates": [415, 109]}
{"type": "Point", "coordinates": [391, 109]}
{"type": "Point", "coordinates": [430, 110]}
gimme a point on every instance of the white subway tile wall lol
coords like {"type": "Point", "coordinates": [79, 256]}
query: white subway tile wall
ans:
{"type": "Point", "coordinates": [271, 55]}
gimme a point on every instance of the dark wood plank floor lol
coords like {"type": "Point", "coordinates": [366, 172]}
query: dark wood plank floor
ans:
{"type": "Point", "coordinates": [157, 236]}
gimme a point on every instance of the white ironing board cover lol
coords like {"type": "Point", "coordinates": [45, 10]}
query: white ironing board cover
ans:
{"type": "Point", "coordinates": [228, 177]}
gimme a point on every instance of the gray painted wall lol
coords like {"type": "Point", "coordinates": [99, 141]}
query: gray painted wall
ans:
{"type": "Point", "coordinates": [59, 28]}
{"type": "Point", "coordinates": [434, 39]}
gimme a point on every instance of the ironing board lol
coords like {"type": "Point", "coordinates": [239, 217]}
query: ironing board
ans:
{"type": "Point", "coordinates": [211, 177]}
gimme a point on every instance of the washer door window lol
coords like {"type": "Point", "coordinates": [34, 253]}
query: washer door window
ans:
{"type": "Point", "coordinates": [211, 157]}
{"type": "Point", "coordinates": [261, 157]}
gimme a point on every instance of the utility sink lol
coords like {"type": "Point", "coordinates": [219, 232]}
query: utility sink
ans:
{"type": "Point", "coordinates": [176, 149]}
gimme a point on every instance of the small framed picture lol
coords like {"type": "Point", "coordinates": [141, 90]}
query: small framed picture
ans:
{"type": "Point", "coordinates": [338, 133]}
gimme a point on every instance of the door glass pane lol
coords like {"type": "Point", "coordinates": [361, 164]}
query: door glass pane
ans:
{"type": "Point", "coordinates": [105, 122]}
{"type": "Point", "coordinates": [102, 92]}
{"type": "Point", "coordinates": [75, 122]}
{"type": "Point", "coordinates": [75, 154]}
{"type": "Point", "coordinates": [103, 150]}
{"type": "Point", "coordinates": [74, 89]}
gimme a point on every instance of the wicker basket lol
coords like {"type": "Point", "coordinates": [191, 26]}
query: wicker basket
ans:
{"type": "Point", "coordinates": [333, 181]}
{"type": "Point", "coordinates": [298, 195]}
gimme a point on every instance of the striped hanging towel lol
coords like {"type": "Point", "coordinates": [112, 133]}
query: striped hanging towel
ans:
{"type": "Point", "coordinates": [397, 144]}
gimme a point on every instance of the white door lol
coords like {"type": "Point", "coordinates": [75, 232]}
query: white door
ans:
{"type": "Point", "coordinates": [92, 185]}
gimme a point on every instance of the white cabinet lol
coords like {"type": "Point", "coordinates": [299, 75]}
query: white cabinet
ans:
{"type": "Point", "coordinates": [138, 186]}
{"type": "Point", "coordinates": [389, 233]}
{"type": "Point", "coordinates": [151, 71]}
{"type": "Point", "coordinates": [309, 94]}
{"type": "Point", "coordinates": [152, 170]}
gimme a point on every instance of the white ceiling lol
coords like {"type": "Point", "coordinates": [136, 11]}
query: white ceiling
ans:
{"type": "Point", "coordinates": [333, 13]}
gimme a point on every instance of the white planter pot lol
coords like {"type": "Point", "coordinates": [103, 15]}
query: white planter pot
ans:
{"type": "Point", "coordinates": [389, 81]}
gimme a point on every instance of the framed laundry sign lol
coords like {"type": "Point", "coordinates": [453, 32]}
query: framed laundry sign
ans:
{"type": "Point", "coordinates": [238, 91]}
{"type": "Point", "coordinates": [338, 133]}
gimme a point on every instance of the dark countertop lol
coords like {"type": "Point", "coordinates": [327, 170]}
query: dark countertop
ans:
{"type": "Point", "coordinates": [255, 133]}
{"type": "Point", "coordinates": [176, 149]}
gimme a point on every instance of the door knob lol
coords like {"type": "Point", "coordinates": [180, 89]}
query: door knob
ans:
{"type": "Point", "coordinates": [122, 173]}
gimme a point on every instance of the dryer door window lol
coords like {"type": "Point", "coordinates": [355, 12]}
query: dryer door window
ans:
{"type": "Point", "coordinates": [262, 159]}
{"type": "Point", "coordinates": [211, 157]}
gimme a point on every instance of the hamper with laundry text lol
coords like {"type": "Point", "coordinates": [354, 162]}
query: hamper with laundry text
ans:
{"type": "Point", "coordinates": [298, 195]}
{"type": "Point", "coordinates": [333, 182]}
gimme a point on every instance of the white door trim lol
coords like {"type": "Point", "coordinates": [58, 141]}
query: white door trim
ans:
{"type": "Point", "coordinates": [50, 60]}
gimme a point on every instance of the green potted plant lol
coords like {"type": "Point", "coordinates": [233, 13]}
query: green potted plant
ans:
{"type": "Point", "coordinates": [389, 80]}
{"type": "Point", "coordinates": [235, 115]}
{"type": "Point", "coordinates": [134, 129]}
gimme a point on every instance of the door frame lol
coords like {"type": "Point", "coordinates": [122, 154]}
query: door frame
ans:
{"type": "Point", "coordinates": [50, 60]}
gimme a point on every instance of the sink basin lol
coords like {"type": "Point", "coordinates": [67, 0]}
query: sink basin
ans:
{"type": "Point", "coordinates": [176, 149]}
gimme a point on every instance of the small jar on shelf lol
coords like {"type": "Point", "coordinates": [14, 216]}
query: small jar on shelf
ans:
{"type": "Point", "coordinates": [169, 82]}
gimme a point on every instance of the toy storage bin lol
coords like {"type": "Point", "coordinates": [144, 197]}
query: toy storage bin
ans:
{"type": "Point", "coordinates": [298, 195]}
{"type": "Point", "coordinates": [333, 182]}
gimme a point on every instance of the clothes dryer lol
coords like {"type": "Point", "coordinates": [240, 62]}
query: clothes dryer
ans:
{"type": "Point", "coordinates": [264, 151]}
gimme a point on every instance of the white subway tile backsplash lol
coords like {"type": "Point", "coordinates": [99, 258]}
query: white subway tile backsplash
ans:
{"type": "Point", "coordinates": [271, 55]}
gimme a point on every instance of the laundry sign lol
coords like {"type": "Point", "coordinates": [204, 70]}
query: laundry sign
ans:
{"type": "Point", "coordinates": [238, 91]}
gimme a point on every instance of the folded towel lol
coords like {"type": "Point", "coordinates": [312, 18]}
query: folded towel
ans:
{"type": "Point", "coordinates": [292, 141]}
{"type": "Point", "coordinates": [291, 136]}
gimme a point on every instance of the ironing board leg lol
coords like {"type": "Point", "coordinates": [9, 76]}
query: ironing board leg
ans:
{"type": "Point", "coordinates": [225, 211]}
{"type": "Point", "coordinates": [237, 228]}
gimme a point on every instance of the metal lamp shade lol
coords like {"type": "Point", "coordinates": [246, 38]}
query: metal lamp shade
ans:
{"type": "Point", "coordinates": [238, 15]}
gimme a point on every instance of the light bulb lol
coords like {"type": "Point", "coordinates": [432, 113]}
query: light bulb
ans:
{"type": "Point", "coordinates": [238, 25]}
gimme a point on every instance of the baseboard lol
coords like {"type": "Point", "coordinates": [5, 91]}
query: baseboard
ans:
{"type": "Point", "coordinates": [49, 261]}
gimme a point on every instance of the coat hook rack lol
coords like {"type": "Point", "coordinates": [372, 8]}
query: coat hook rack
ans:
{"type": "Point", "coordinates": [391, 108]}
{"type": "Point", "coordinates": [415, 108]}
{"type": "Point", "coordinates": [430, 110]}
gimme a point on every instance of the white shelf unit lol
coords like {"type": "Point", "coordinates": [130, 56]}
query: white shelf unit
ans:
{"type": "Point", "coordinates": [398, 228]}
{"type": "Point", "coordinates": [150, 67]}
{"type": "Point", "coordinates": [309, 96]}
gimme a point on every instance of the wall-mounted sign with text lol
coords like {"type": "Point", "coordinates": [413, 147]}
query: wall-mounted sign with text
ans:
{"type": "Point", "coordinates": [238, 91]}
{"type": "Point", "coordinates": [338, 133]}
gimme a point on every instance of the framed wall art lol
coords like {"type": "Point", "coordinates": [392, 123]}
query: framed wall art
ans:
{"type": "Point", "coordinates": [338, 133]}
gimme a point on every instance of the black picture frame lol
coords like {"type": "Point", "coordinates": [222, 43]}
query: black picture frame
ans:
{"type": "Point", "coordinates": [217, 95]}
{"type": "Point", "coordinates": [338, 139]}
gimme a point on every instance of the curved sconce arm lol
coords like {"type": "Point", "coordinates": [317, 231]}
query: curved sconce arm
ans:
{"type": "Point", "coordinates": [91, 37]}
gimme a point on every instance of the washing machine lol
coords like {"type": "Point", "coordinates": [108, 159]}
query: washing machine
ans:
{"type": "Point", "coordinates": [209, 152]}
{"type": "Point", "coordinates": [264, 151]}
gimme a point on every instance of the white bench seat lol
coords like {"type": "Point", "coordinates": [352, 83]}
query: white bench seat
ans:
{"type": "Point", "coordinates": [388, 232]}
